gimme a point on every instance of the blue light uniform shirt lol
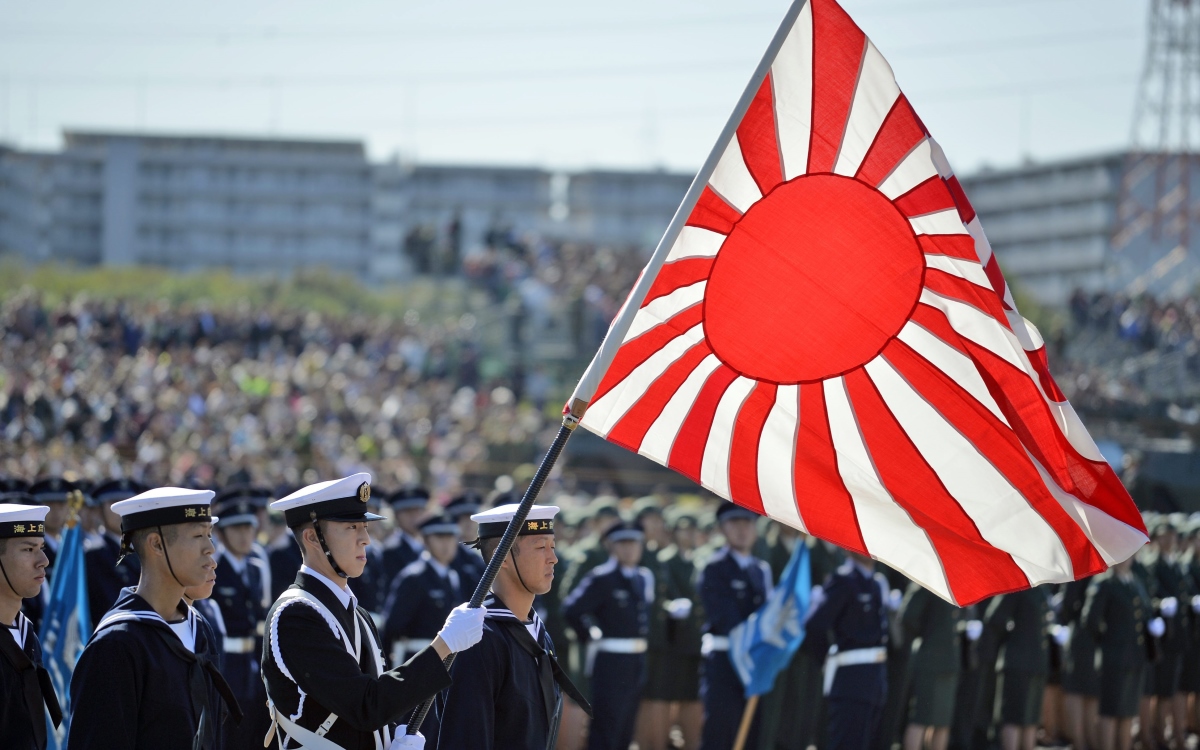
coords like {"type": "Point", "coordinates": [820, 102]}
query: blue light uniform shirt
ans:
{"type": "Point", "coordinates": [615, 602]}
{"type": "Point", "coordinates": [851, 616]}
{"type": "Point", "coordinates": [470, 567]}
{"type": "Point", "coordinates": [731, 586]}
{"type": "Point", "coordinates": [242, 594]}
{"type": "Point", "coordinates": [418, 605]}
{"type": "Point", "coordinates": [105, 578]}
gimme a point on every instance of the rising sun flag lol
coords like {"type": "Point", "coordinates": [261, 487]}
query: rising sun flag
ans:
{"type": "Point", "coordinates": [823, 336]}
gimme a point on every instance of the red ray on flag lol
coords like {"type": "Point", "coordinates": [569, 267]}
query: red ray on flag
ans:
{"type": "Point", "coordinates": [824, 336]}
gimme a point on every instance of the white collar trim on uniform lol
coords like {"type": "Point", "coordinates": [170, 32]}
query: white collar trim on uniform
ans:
{"type": "Point", "coordinates": [344, 595]}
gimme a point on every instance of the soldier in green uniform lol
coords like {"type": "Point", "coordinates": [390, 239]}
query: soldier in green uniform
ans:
{"type": "Point", "coordinates": [1119, 616]}
{"type": "Point", "coordinates": [931, 627]}
{"type": "Point", "coordinates": [1189, 681]}
{"type": "Point", "coordinates": [1166, 584]}
{"type": "Point", "coordinates": [1019, 622]}
{"type": "Point", "coordinates": [1081, 678]}
{"type": "Point", "coordinates": [676, 695]}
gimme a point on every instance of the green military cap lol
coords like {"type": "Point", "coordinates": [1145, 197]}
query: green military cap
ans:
{"type": "Point", "coordinates": [646, 505]}
{"type": "Point", "coordinates": [603, 506]}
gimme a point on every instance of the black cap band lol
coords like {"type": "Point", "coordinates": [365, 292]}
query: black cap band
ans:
{"type": "Point", "coordinates": [164, 517]}
{"type": "Point", "coordinates": [530, 527]}
{"type": "Point", "coordinates": [339, 509]}
{"type": "Point", "coordinates": [14, 529]}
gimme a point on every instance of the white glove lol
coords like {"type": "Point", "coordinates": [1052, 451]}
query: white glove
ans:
{"type": "Point", "coordinates": [463, 628]}
{"type": "Point", "coordinates": [1169, 606]}
{"type": "Point", "coordinates": [407, 741]}
{"type": "Point", "coordinates": [1157, 627]}
{"type": "Point", "coordinates": [816, 598]}
{"type": "Point", "coordinates": [894, 599]}
{"type": "Point", "coordinates": [595, 633]}
{"type": "Point", "coordinates": [1196, 603]}
{"type": "Point", "coordinates": [1061, 633]}
{"type": "Point", "coordinates": [679, 609]}
{"type": "Point", "coordinates": [974, 629]}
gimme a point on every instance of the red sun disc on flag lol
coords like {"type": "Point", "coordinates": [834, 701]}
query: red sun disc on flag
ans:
{"type": "Point", "coordinates": [828, 340]}
{"type": "Point", "coordinates": [812, 281]}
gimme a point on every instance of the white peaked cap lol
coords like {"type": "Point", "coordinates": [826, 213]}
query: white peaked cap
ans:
{"type": "Point", "coordinates": [337, 499]}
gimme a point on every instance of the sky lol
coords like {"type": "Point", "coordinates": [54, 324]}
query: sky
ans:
{"type": "Point", "coordinates": [617, 84]}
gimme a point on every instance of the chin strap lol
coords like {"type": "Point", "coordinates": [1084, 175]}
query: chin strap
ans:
{"type": "Point", "coordinates": [312, 514]}
{"type": "Point", "coordinates": [513, 553]}
{"type": "Point", "coordinates": [5, 572]}
{"type": "Point", "coordinates": [164, 543]}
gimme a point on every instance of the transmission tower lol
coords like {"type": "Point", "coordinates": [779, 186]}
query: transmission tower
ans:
{"type": "Point", "coordinates": [1157, 202]}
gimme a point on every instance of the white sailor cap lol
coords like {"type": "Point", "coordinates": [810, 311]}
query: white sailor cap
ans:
{"type": "Point", "coordinates": [336, 500]}
{"type": "Point", "coordinates": [164, 506]}
{"type": "Point", "coordinates": [22, 520]}
{"type": "Point", "coordinates": [494, 521]}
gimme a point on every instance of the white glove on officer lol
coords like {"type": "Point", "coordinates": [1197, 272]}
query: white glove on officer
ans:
{"type": "Point", "coordinates": [894, 599]}
{"type": "Point", "coordinates": [1061, 633]}
{"type": "Point", "coordinates": [1168, 606]}
{"type": "Point", "coordinates": [1157, 627]}
{"type": "Point", "coordinates": [974, 629]}
{"type": "Point", "coordinates": [463, 628]}
{"type": "Point", "coordinates": [1196, 603]}
{"type": "Point", "coordinates": [679, 609]}
{"type": "Point", "coordinates": [407, 741]}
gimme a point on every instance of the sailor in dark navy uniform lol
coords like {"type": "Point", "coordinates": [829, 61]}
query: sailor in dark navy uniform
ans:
{"type": "Point", "coordinates": [610, 610]}
{"type": "Point", "coordinates": [848, 618]}
{"type": "Point", "coordinates": [424, 592]}
{"type": "Point", "coordinates": [242, 595]}
{"type": "Point", "coordinates": [468, 562]}
{"type": "Point", "coordinates": [322, 660]}
{"type": "Point", "coordinates": [732, 586]}
{"type": "Point", "coordinates": [105, 578]}
{"type": "Point", "coordinates": [404, 546]}
{"type": "Point", "coordinates": [52, 492]}
{"type": "Point", "coordinates": [508, 690]}
{"type": "Point", "coordinates": [26, 692]}
{"type": "Point", "coordinates": [148, 677]}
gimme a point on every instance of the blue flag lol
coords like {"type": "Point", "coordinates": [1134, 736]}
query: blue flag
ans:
{"type": "Point", "coordinates": [66, 625]}
{"type": "Point", "coordinates": [763, 645]}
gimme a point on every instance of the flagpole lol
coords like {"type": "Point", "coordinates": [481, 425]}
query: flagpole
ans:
{"type": "Point", "coordinates": [620, 326]}
{"type": "Point", "coordinates": [506, 542]}
{"type": "Point", "coordinates": [747, 719]}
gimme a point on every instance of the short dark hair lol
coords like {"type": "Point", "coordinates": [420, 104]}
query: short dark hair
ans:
{"type": "Point", "coordinates": [487, 547]}
{"type": "Point", "coordinates": [138, 539]}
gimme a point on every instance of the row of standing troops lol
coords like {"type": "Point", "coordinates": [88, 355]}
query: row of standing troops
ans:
{"type": "Point", "coordinates": [639, 638]}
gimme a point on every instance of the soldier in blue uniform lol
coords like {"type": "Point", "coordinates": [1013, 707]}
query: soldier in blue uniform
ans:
{"type": "Point", "coordinates": [105, 578]}
{"type": "Point", "coordinates": [424, 592]}
{"type": "Point", "coordinates": [732, 586]}
{"type": "Point", "coordinates": [242, 594]}
{"type": "Point", "coordinates": [146, 678]}
{"type": "Point", "coordinates": [468, 562]}
{"type": "Point", "coordinates": [322, 660]}
{"type": "Point", "coordinates": [508, 690]}
{"type": "Point", "coordinates": [849, 614]}
{"type": "Point", "coordinates": [404, 546]}
{"type": "Point", "coordinates": [610, 611]}
{"type": "Point", "coordinates": [26, 693]}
